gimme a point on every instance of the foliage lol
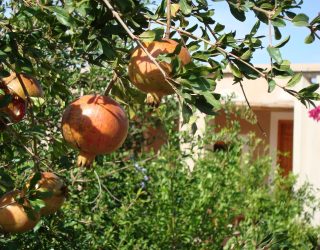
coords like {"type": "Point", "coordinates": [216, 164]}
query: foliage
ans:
{"type": "Point", "coordinates": [156, 203]}
{"type": "Point", "coordinates": [78, 47]}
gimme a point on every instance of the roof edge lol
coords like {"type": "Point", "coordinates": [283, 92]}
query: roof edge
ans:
{"type": "Point", "coordinates": [303, 67]}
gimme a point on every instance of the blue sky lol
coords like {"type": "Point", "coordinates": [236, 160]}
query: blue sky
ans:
{"type": "Point", "coordinates": [295, 50]}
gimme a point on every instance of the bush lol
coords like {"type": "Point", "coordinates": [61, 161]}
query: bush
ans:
{"type": "Point", "coordinates": [230, 201]}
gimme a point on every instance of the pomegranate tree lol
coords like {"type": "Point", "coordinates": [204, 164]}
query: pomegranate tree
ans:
{"type": "Point", "coordinates": [94, 124]}
{"type": "Point", "coordinates": [145, 74]}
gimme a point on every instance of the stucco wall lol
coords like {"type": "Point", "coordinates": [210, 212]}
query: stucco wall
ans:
{"type": "Point", "coordinates": [306, 149]}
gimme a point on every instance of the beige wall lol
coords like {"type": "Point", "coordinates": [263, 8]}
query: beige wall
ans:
{"type": "Point", "coordinates": [306, 148]}
{"type": "Point", "coordinates": [268, 119]}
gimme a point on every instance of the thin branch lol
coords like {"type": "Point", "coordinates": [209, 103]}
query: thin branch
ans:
{"type": "Point", "coordinates": [112, 82]}
{"type": "Point", "coordinates": [99, 194]}
{"type": "Point", "coordinates": [6, 205]}
{"type": "Point", "coordinates": [215, 45]}
{"type": "Point", "coordinates": [168, 19]}
{"type": "Point", "coordinates": [211, 31]}
{"type": "Point", "coordinates": [248, 103]}
{"type": "Point", "coordinates": [109, 192]}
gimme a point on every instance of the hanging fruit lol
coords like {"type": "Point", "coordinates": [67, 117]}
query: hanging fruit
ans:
{"type": "Point", "coordinates": [32, 85]}
{"type": "Point", "coordinates": [14, 216]}
{"type": "Point", "coordinates": [94, 124]}
{"type": "Point", "coordinates": [145, 74]}
{"type": "Point", "coordinates": [51, 183]}
{"type": "Point", "coordinates": [16, 109]}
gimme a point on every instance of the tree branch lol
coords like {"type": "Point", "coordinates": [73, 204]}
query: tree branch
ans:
{"type": "Point", "coordinates": [248, 103]}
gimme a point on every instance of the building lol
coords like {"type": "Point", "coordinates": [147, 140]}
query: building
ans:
{"type": "Point", "coordinates": [284, 119]}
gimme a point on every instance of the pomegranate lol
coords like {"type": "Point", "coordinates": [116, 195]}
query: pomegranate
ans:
{"type": "Point", "coordinates": [50, 182]}
{"type": "Point", "coordinates": [13, 217]}
{"type": "Point", "coordinates": [32, 85]}
{"type": "Point", "coordinates": [146, 76]}
{"type": "Point", "coordinates": [16, 109]}
{"type": "Point", "coordinates": [94, 124]}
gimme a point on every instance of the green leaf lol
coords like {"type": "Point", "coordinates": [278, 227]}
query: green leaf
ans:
{"type": "Point", "coordinates": [62, 15]}
{"type": "Point", "coordinates": [310, 38]}
{"type": "Point", "coordinates": [151, 35]}
{"type": "Point", "coordinates": [219, 27]}
{"type": "Point", "coordinates": [161, 9]}
{"type": "Point", "coordinates": [278, 22]}
{"type": "Point", "coordinates": [310, 89]}
{"type": "Point", "coordinates": [185, 7]}
{"type": "Point", "coordinates": [212, 100]}
{"type": "Point", "coordinates": [277, 33]}
{"type": "Point", "coordinates": [301, 20]}
{"type": "Point", "coordinates": [271, 85]}
{"type": "Point", "coordinates": [37, 204]}
{"type": "Point", "coordinates": [283, 42]}
{"type": "Point", "coordinates": [275, 54]}
{"type": "Point", "coordinates": [246, 55]}
{"type": "Point", "coordinates": [203, 105]}
{"type": "Point", "coordinates": [236, 12]}
{"type": "Point", "coordinates": [255, 28]}
{"type": "Point", "coordinates": [294, 80]}
{"type": "Point", "coordinates": [235, 71]}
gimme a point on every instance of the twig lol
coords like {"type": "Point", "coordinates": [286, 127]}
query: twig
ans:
{"type": "Point", "coordinates": [168, 19]}
{"type": "Point", "coordinates": [112, 82]}
{"type": "Point", "coordinates": [109, 192]}
{"type": "Point", "coordinates": [99, 194]}
{"type": "Point", "coordinates": [6, 205]}
{"type": "Point", "coordinates": [212, 32]}
{"type": "Point", "coordinates": [214, 45]}
{"type": "Point", "coordinates": [248, 103]}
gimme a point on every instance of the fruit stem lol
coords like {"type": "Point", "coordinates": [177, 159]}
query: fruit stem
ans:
{"type": "Point", "coordinates": [85, 159]}
{"type": "Point", "coordinates": [153, 99]}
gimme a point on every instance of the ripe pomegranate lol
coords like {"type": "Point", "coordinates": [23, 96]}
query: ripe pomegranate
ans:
{"type": "Point", "coordinates": [50, 182]}
{"type": "Point", "coordinates": [32, 85]}
{"type": "Point", "coordinates": [146, 76]}
{"type": "Point", "coordinates": [16, 109]}
{"type": "Point", "coordinates": [94, 124]}
{"type": "Point", "coordinates": [13, 217]}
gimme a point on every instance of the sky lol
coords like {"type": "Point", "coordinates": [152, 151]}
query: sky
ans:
{"type": "Point", "coordinates": [296, 51]}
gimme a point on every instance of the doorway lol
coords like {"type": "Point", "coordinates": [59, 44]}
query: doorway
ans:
{"type": "Point", "coordinates": [285, 145]}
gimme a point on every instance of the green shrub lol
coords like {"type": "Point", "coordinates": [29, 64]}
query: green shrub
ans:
{"type": "Point", "coordinates": [154, 202]}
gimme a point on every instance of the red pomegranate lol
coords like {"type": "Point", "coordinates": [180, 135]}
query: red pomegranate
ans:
{"type": "Point", "coordinates": [50, 182]}
{"type": "Point", "coordinates": [32, 85]}
{"type": "Point", "coordinates": [94, 124]}
{"type": "Point", "coordinates": [146, 76]}
{"type": "Point", "coordinates": [13, 217]}
{"type": "Point", "coordinates": [16, 109]}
